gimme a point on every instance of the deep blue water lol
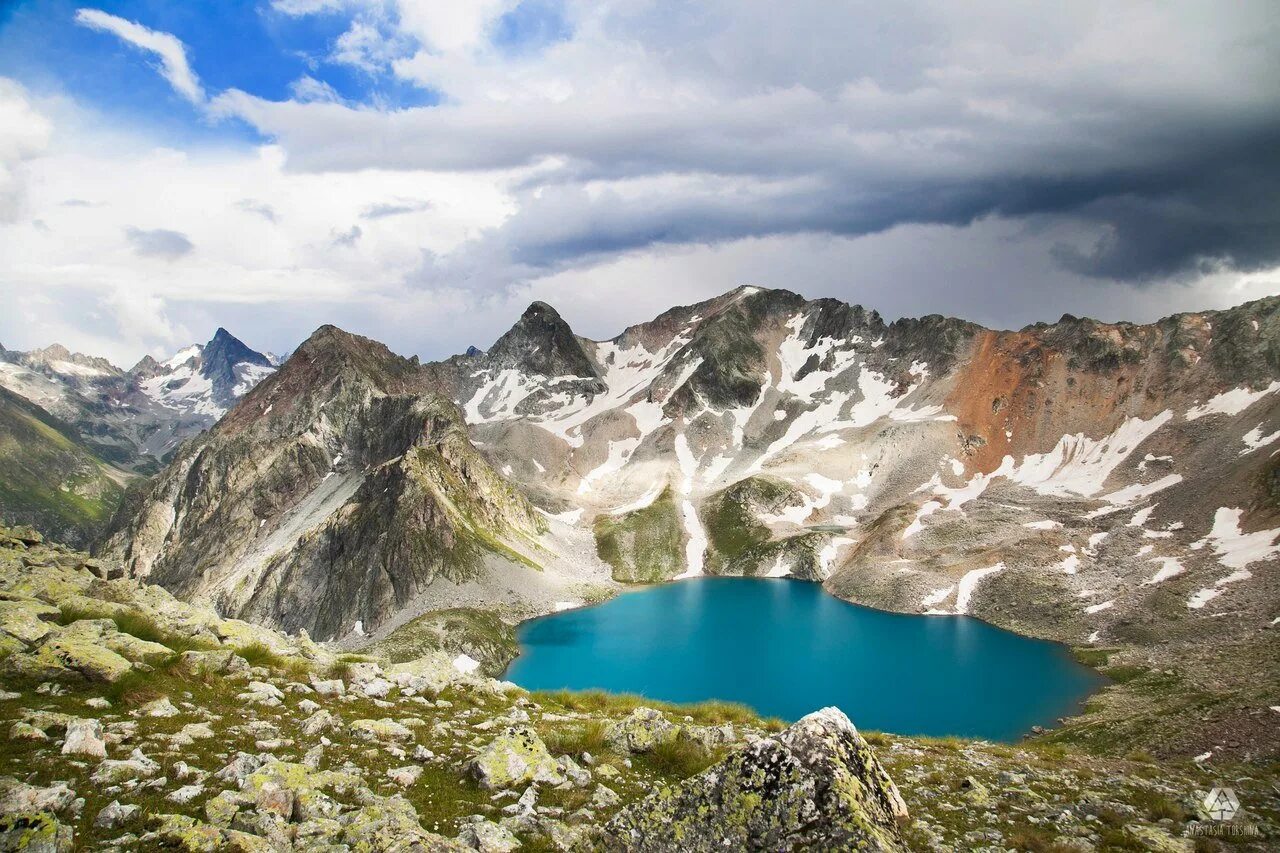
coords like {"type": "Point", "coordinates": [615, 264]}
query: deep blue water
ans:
{"type": "Point", "coordinates": [787, 648]}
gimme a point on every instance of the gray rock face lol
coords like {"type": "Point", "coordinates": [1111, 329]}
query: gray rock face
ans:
{"type": "Point", "coordinates": [815, 786]}
{"type": "Point", "coordinates": [339, 489]}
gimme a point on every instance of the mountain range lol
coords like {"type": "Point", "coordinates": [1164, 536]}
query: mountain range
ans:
{"type": "Point", "coordinates": [105, 426]}
{"type": "Point", "coordinates": [1110, 485]}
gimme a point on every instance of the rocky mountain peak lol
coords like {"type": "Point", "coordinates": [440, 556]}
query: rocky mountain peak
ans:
{"type": "Point", "coordinates": [146, 368]}
{"type": "Point", "coordinates": [331, 352]}
{"type": "Point", "coordinates": [221, 355]}
{"type": "Point", "coordinates": [542, 342]}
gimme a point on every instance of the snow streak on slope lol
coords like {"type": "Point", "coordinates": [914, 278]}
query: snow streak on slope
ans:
{"type": "Point", "coordinates": [1080, 465]}
{"type": "Point", "coordinates": [1231, 402]}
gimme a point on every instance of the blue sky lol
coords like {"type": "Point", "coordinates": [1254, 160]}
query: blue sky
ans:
{"type": "Point", "coordinates": [242, 44]}
{"type": "Point", "coordinates": [417, 171]}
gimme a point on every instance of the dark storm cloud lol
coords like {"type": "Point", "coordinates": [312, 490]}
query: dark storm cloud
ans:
{"type": "Point", "coordinates": [1154, 130]}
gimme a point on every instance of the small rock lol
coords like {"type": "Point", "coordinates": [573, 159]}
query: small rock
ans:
{"type": "Point", "coordinates": [161, 707]}
{"type": "Point", "coordinates": [114, 815]}
{"type": "Point", "coordinates": [405, 776]}
{"type": "Point", "coordinates": [84, 737]}
{"type": "Point", "coordinates": [185, 794]}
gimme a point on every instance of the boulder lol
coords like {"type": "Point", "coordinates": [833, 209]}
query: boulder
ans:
{"type": "Point", "coordinates": [75, 650]}
{"type": "Point", "coordinates": [27, 619]}
{"type": "Point", "coordinates": [405, 776]}
{"type": "Point", "coordinates": [488, 837]}
{"type": "Point", "coordinates": [391, 823]}
{"type": "Point", "coordinates": [35, 832]}
{"type": "Point", "coordinates": [515, 757]}
{"type": "Point", "coordinates": [136, 766]}
{"type": "Point", "coordinates": [161, 707]}
{"type": "Point", "coordinates": [84, 737]}
{"type": "Point", "coordinates": [380, 730]}
{"type": "Point", "coordinates": [114, 815]}
{"type": "Point", "coordinates": [216, 662]}
{"type": "Point", "coordinates": [815, 786]}
{"type": "Point", "coordinates": [640, 731]}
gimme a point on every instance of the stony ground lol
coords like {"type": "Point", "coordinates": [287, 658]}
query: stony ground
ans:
{"type": "Point", "coordinates": [129, 720]}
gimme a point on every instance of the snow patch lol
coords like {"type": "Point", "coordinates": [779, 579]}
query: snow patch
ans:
{"type": "Point", "coordinates": [1231, 402]}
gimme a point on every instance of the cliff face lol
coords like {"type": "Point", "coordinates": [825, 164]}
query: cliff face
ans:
{"type": "Point", "coordinates": [335, 493]}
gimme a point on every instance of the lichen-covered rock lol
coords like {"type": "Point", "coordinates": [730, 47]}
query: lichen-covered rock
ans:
{"type": "Point", "coordinates": [640, 731]}
{"type": "Point", "coordinates": [215, 662]}
{"type": "Point", "coordinates": [380, 730]}
{"type": "Point", "coordinates": [136, 766]}
{"type": "Point", "coordinates": [392, 824]}
{"type": "Point", "coordinates": [114, 814]}
{"type": "Point", "coordinates": [35, 832]}
{"type": "Point", "coordinates": [515, 757]}
{"type": "Point", "coordinates": [488, 837]}
{"type": "Point", "coordinates": [76, 650]}
{"type": "Point", "coordinates": [187, 833]}
{"type": "Point", "coordinates": [18, 797]}
{"type": "Point", "coordinates": [27, 619]}
{"type": "Point", "coordinates": [815, 786]}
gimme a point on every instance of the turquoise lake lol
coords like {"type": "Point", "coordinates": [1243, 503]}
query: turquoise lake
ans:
{"type": "Point", "coordinates": [787, 647]}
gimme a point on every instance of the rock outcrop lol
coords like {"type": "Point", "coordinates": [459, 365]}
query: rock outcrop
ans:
{"type": "Point", "coordinates": [815, 786]}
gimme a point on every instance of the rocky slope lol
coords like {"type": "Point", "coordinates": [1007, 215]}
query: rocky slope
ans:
{"type": "Point", "coordinates": [338, 496]}
{"type": "Point", "coordinates": [132, 720]}
{"type": "Point", "coordinates": [136, 418]}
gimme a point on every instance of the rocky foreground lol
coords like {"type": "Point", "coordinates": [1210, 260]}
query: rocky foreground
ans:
{"type": "Point", "coordinates": [130, 720]}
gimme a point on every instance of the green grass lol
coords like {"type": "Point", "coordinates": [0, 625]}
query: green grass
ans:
{"type": "Point", "coordinates": [1156, 805]}
{"type": "Point", "coordinates": [712, 713]}
{"type": "Point", "coordinates": [577, 738]}
{"type": "Point", "coordinates": [680, 758]}
{"type": "Point", "coordinates": [258, 654]}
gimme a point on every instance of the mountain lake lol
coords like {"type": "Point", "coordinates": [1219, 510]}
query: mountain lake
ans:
{"type": "Point", "coordinates": [787, 647]}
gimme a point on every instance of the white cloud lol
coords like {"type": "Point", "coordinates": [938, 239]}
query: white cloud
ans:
{"type": "Point", "coordinates": [918, 158]}
{"type": "Point", "coordinates": [159, 243]}
{"type": "Point", "coordinates": [24, 135]}
{"type": "Point", "coordinates": [168, 49]}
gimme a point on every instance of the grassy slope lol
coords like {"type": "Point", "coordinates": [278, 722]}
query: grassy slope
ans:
{"type": "Point", "coordinates": [48, 478]}
{"type": "Point", "coordinates": [644, 546]}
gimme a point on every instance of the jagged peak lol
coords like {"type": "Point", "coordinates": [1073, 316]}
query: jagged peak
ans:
{"type": "Point", "coordinates": [542, 342]}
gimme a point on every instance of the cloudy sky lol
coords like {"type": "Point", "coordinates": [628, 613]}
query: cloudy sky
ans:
{"type": "Point", "coordinates": [419, 170]}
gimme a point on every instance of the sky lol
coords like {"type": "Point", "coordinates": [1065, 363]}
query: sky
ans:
{"type": "Point", "coordinates": [419, 171]}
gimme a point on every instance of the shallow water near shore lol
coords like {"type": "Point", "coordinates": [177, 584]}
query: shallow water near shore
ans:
{"type": "Point", "coordinates": [787, 648]}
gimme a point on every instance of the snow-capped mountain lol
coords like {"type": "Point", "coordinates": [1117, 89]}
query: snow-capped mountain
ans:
{"type": "Point", "coordinates": [204, 380]}
{"type": "Point", "coordinates": [137, 417]}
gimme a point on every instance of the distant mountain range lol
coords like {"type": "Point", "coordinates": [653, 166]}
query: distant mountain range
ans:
{"type": "Point", "coordinates": [114, 423]}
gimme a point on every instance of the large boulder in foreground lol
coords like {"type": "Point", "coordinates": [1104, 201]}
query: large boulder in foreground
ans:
{"type": "Point", "coordinates": [815, 786]}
